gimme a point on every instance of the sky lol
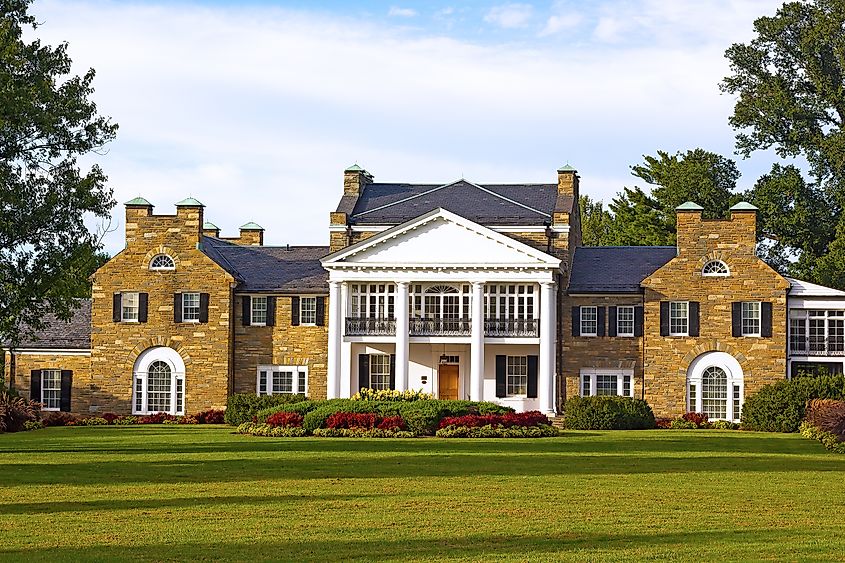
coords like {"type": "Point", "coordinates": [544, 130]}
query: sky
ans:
{"type": "Point", "coordinates": [256, 108]}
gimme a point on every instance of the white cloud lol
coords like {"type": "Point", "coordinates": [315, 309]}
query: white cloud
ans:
{"type": "Point", "coordinates": [401, 12]}
{"type": "Point", "coordinates": [510, 15]}
{"type": "Point", "coordinates": [558, 23]}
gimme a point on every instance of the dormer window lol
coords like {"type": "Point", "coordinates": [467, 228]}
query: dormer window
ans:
{"type": "Point", "coordinates": [162, 262]}
{"type": "Point", "coordinates": [715, 268]}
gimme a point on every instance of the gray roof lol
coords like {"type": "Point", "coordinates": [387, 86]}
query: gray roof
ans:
{"type": "Point", "coordinates": [271, 269]}
{"type": "Point", "coordinates": [488, 204]}
{"type": "Point", "coordinates": [73, 334]}
{"type": "Point", "coordinates": [615, 269]}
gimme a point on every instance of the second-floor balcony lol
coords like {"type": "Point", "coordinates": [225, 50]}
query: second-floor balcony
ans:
{"type": "Point", "coordinates": [442, 326]}
{"type": "Point", "coordinates": [831, 346]}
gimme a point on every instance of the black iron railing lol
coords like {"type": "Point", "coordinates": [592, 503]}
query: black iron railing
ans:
{"type": "Point", "coordinates": [364, 326]}
{"type": "Point", "coordinates": [817, 346]}
{"type": "Point", "coordinates": [512, 327]}
{"type": "Point", "coordinates": [440, 327]}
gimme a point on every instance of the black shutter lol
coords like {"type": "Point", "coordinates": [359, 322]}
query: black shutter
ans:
{"type": "Point", "coordinates": [35, 385]}
{"type": "Point", "coordinates": [143, 301]}
{"type": "Point", "coordinates": [736, 318]}
{"type": "Point", "coordinates": [532, 377]}
{"type": "Point", "coordinates": [363, 371]}
{"type": "Point", "coordinates": [638, 320]}
{"type": "Point", "coordinates": [67, 384]}
{"type": "Point", "coordinates": [576, 321]}
{"type": "Point", "coordinates": [600, 316]}
{"type": "Point", "coordinates": [611, 321]}
{"type": "Point", "coordinates": [203, 307]}
{"type": "Point", "coordinates": [246, 310]}
{"type": "Point", "coordinates": [294, 311]}
{"type": "Point", "coordinates": [766, 319]}
{"type": "Point", "coordinates": [271, 311]}
{"type": "Point", "coordinates": [393, 371]}
{"type": "Point", "coordinates": [501, 376]}
{"type": "Point", "coordinates": [694, 324]}
{"type": "Point", "coordinates": [664, 318]}
{"type": "Point", "coordinates": [177, 307]}
{"type": "Point", "coordinates": [117, 308]}
{"type": "Point", "coordinates": [321, 311]}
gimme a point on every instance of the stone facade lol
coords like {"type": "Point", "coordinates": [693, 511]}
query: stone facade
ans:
{"type": "Point", "coordinates": [78, 362]}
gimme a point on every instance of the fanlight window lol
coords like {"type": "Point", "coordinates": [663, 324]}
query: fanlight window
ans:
{"type": "Point", "coordinates": [715, 268]}
{"type": "Point", "coordinates": [162, 262]}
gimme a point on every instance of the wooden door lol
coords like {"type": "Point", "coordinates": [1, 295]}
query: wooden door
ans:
{"type": "Point", "coordinates": [448, 382]}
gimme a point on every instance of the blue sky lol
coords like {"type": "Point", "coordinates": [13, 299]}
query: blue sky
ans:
{"type": "Point", "coordinates": [255, 108]}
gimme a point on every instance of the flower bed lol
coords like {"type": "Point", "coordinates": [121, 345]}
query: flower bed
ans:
{"type": "Point", "coordinates": [210, 416]}
{"type": "Point", "coordinates": [490, 431]}
{"type": "Point", "coordinates": [695, 420]}
{"type": "Point", "coordinates": [825, 421]}
{"type": "Point", "coordinates": [507, 420]}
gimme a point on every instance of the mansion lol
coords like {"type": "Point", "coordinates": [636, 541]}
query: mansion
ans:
{"type": "Point", "coordinates": [462, 290]}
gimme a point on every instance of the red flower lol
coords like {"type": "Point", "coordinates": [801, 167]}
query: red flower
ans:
{"type": "Point", "coordinates": [285, 419]}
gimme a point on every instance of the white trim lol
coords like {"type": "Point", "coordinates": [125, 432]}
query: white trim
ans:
{"type": "Point", "coordinates": [592, 373]}
{"type": "Point", "coordinates": [270, 369]}
{"type": "Point", "coordinates": [716, 274]}
{"type": "Point", "coordinates": [559, 229]}
{"type": "Point", "coordinates": [43, 402]}
{"type": "Point", "coordinates": [177, 375]}
{"type": "Point", "coordinates": [581, 321]}
{"type": "Point", "coordinates": [302, 299]}
{"type": "Point", "coordinates": [735, 377]}
{"type": "Point", "coordinates": [633, 309]}
{"type": "Point", "coordinates": [759, 332]}
{"type": "Point", "coordinates": [670, 319]}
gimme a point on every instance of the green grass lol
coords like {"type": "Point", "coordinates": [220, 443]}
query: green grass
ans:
{"type": "Point", "coordinates": [201, 493]}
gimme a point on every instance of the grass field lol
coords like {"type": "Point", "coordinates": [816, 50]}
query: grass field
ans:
{"type": "Point", "coordinates": [187, 493]}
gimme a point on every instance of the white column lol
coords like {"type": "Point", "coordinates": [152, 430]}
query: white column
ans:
{"type": "Point", "coordinates": [548, 337]}
{"type": "Point", "coordinates": [336, 321]}
{"type": "Point", "coordinates": [400, 311]}
{"type": "Point", "coordinates": [345, 382]}
{"type": "Point", "coordinates": [476, 356]}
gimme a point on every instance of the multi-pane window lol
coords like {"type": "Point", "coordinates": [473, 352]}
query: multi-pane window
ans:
{"type": "Point", "coordinates": [190, 307]}
{"type": "Point", "coordinates": [586, 385]}
{"type": "Point", "coordinates": [817, 332]}
{"type": "Point", "coordinates": [798, 335]}
{"type": "Point", "coordinates": [517, 376]}
{"type": "Point", "coordinates": [129, 307]}
{"type": "Point", "coordinates": [278, 380]}
{"type": "Point", "coordinates": [51, 389]}
{"type": "Point", "coordinates": [607, 382]}
{"type": "Point", "coordinates": [715, 268]}
{"type": "Point", "coordinates": [511, 302]}
{"type": "Point", "coordinates": [374, 300]}
{"type": "Point", "coordinates": [379, 371]}
{"type": "Point", "coordinates": [625, 321]}
{"type": "Point", "coordinates": [259, 310]}
{"type": "Point", "coordinates": [162, 262]}
{"type": "Point", "coordinates": [714, 393]}
{"type": "Point", "coordinates": [589, 320]}
{"type": "Point", "coordinates": [835, 331]}
{"type": "Point", "coordinates": [159, 389]}
{"type": "Point", "coordinates": [308, 310]}
{"type": "Point", "coordinates": [678, 318]}
{"type": "Point", "coordinates": [751, 318]}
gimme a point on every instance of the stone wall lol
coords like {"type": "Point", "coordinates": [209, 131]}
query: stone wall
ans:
{"type": "Point", "coordinates": [80, 364]}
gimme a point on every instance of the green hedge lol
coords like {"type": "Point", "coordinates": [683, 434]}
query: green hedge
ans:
{"type": "Point", "coordinates": [241, 407]}
{"type": "Point", "coordinates": [780, 407]}
{"type": "Point", "coordinates": [607, 413]}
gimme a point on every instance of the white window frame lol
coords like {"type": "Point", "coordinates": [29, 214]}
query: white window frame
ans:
{"type": "Point", "coordinates": [162, 268]}
{"type": "Point", "coordinates": [759, 318]}
{"type": "Point", "coordinates": [124, 307]}
{"type": "Point", "coordinates": [511, 301]}
{"type": "Point", "coordinates": [685, 318]}
{"type": "Point", "coordinates": [619, 331]}
{"type": "Point", "coordinates": [58, 389]}
{"type": "Point", "coordinates": [724, 274]}
{"type": "Point", "coordinates": [383, 372]}
{"type": "Point", "coordinates": [589, 379]}
{"type": "Point", "coordinates": [264, 380]}
{"type": "Point", "coordinates": [140, 399]}
{"type": "Point", "coordinates": [595, 320]}
{"type": "Point", "coordinates": [185, 318]}
{"type": "Point", "coordinates": [371, 300]}
{"type": "Point", "coordinates": [312, 311]}
{"type": "Point", "coordinates": [514, 376]}
{"type": "Point", "coordinates": [735, 383]}
{"type": "Point", "coordinates": [253, 300]}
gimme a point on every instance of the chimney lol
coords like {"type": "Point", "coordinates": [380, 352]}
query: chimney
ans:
{"type": "Point", "coordinates": [355, 179]}
{"type": "Point", "coordinates": [190, 211]}
{"type": "Point", "coordinates": [688, 230]}
{"type": "Point", "coordinates": [567, 181]}
{"type": "Point", "coordinates": [744, 215]}
{"type": "Point", "coordinates": [252, 234]}
{"type": "Point", "coordinates": [137, 210]}
{"type": "Point", "coordinates": [209, 229]}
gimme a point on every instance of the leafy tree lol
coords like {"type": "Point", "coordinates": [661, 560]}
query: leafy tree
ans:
{"type": "Point", "coordinates": [639, 220]}
{"type": "Point", "coordinates": [46, 123]}
{"type": "Point", "coordinates": [595, 222]}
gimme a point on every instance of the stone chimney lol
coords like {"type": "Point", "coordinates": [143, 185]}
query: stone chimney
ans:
{"type": "Point", "coordinates": [252, 234]}
{"type": "Point", "coordinates": [209, 229]}
{"type": "Point", "coordinates": [355, 179]}
{"type": "Point", "coordinates": [744, 220]}
{"type": "Point", "coordinates": [567, 181]}
{"type": "Point", "coordinates": [700, 236]}
{"type": "Point", "coordinates": [137, 211]}
{"type": "Point", "coordinates": [189, 211]}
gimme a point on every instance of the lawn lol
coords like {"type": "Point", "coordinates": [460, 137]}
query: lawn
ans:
{"type": "Point", "coordinates": [168, 493]}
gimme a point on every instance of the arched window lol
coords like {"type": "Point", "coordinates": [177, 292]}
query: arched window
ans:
{"type": "Point", "coordinates": [715, 268]}
{"type": "Point", "coordinates": [714, 393]}
{"type": "Point", "coordinates": [162, 262]}
{"type": "Point", "coordinates": [715, 386]}
{"type": "Point", "coordinates": [159, 382]}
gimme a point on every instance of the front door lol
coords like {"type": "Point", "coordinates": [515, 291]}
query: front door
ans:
{"type": "Point", "coordinates": [448, 381]}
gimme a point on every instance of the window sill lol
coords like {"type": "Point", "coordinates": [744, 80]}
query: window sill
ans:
{"type": "Point", "coordinates": [50, 410]}
{"type": "Point", "coordinates": [588, 335]}
{"type": "Point", "coordinates": [258, 324]}
{"type": "Point", "coordinates": [130, 321]}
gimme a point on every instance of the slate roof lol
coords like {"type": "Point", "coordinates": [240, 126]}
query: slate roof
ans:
{"type": "Point", "coordinates": [615, 269]}
{"type": "Point", "coordinates": [73, 334]}
{"type": "Point", "coordinates": [488, 204]}
{"type": "Point", "coordinates": [278, 269]}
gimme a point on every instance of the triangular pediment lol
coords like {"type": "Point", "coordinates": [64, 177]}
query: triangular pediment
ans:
{"type": "Point", "coordinates": [441, 238]}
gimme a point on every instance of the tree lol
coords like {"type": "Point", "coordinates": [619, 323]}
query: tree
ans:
{"type": "Point", "coordinates": [46, 123]}
{"type": "Point", "coordinates": [595, 222]}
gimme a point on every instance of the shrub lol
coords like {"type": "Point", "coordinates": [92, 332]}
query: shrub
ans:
{"type": "Point", "coordinates": [15, 411]}
{"type": "Point", "coordinates": [663, 423]}
{"type": "Point", "coordinates": [59, 419]}
{"type": "Point", "coordinates": [317, 417]}
{"type": "Point", "coordinates": [242, 407]}
{"type": "Point", "coordinates": [94, 421]}
{"type": "Point", "coordinates": [681, 423]}
{"type": "Point", "coordinates": [285, 420]}
{"type": "Point", "coordinates": [532, 418]}
{"type": "Point", "coordinates": [270, 431]}
{"type": "Point", "coordinates": [366, 420]}
{"type": "Point", "coordinates": [157, 418]}
{"type": "Point", "coordinates": [490, 431]}
{"type": "Point", "coordinates": [110, 417]}
{"type": "Point", "coordinates": [780, 407]}
{"type": "Point", "coordinates": [828, 439]}
{"type": "Point", "coordinates": [724, 425]}
{"type": "Point", "coordinates": [828, 415]}
{"type": "Point", "coordinates": [210, 416]}
{"type": "Point", "coordinates": [607, 413]}
{"type": "Point", "coordinates": [393, 424]}
{"type": "Point", "coordinates": [126, 420]}
{"type": "Point", "coordinates": [697, 418]}
{"type": "Point", "coordinates": [366, 394]}
{"type": "Point", "coordinates": [423, 417]}
{"type": "Point", "coordinates": [33, 425]}
{"type": "Point", "coordinates": [362, 433]}
{"type": "Point", "coordinates": [302, 407]}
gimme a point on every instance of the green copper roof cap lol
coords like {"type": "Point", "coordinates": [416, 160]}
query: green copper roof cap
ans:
{"type": "Point", "coordinates": [209, 226]}
{"type": "Point", "coordinates": [354, 168]}
{"type": "Point", "coordinates": [743, 206]}
{"type": "Point", "coordinates": [138, 201]}
{"type": "Point", "coordinates": [190, 202]}
{"type": "Point", "coordinates": [566, 168]}
{"type": "Point", "coordinates": [689, 206]}
{"type": "Point", "coordinates": [252, 227]}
